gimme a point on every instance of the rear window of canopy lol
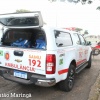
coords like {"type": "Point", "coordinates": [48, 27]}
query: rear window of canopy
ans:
{"type": "Point", "coordinates": [20, 21]}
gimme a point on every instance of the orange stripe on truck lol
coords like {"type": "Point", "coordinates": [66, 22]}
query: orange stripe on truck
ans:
{"type": "Point", "coordinates": [66, 70]}
{"type": "Point", "coordinates": [62, 71]}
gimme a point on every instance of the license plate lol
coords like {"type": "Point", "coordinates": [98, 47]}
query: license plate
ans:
{"type": "Point", "coordinates": [20, 74]}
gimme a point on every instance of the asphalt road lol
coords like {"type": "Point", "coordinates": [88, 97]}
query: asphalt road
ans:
{"type": "Point", "coordinates": [82, 87]}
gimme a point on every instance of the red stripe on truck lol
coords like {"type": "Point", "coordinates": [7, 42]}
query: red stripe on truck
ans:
{"type": "Point", "coordinates": [81, 61]}
{"type": "Point", "coordinates": [62, 71]}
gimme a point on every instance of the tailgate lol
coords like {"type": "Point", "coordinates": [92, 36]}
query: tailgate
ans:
{"type": "Point", "coordinates": [23, 59]}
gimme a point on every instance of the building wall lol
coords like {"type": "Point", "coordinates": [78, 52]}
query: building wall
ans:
{"type": "Point", "coordinates": [93, 38]}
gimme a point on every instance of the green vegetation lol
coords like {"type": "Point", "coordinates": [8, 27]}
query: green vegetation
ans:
{"type": "Point", "coordinates": [22, 10]}
{"type": "Point", "coordinates": [75, 1]}
{"type": "Point", "coordinates": [98, 8]}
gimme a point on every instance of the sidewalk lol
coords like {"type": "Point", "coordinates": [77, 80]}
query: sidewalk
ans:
{"type": "Point", "coordinates": [95, 89]}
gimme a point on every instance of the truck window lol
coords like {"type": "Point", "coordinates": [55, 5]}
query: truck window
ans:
{"type": "Point", "coordinates": [63, 39]}
{"type": "Point", "coordinates": [83, 42]}
{"type": "Point", "coordinates": [25, 38]}
{"type": "Point", "coordinates": [77, 38]}
{"type": "Point", "coordinates": [20, 21]}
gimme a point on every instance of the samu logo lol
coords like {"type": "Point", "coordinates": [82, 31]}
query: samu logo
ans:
{"type": "Point", "coordinates": [7, 56]}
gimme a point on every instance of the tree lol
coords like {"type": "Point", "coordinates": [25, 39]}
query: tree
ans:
{"type": "Point", "coordinates": [98, 8]}
{"type": "Point", "coordinates": [79, 29]}
{"type": "Point", "coordinates": [52, 0]}
{"type": "Point", "coordinates": [74, 1]}
{"type": "Point", "coordinates": [22, 10]}
{"type": "Point", "coordinates": [85, 32]}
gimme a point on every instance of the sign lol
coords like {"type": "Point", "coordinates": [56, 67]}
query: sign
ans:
{"type": "Point", "coordinates": [1, 53]}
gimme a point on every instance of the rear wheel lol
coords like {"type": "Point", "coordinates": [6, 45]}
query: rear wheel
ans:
{"type": "Point", "coordinates": [67, 84]}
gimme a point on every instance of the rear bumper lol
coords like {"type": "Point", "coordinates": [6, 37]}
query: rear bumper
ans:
{"type": "Point", "coordinates": [34, 79]}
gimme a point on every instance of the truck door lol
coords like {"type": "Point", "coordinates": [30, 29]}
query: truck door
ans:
{"type": "Point", "coordinates": [79, 50]}
{"type": "Point", "coordinates": [84, 48]}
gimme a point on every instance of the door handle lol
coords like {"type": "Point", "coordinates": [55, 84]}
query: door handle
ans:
{"type": "Point", "coordinates": [18, 53]}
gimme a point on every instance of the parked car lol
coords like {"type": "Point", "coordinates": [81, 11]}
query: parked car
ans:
{"type": "Point", "coordinates": [97, 46]}
{"type": "Point", "coordinates": [33, 53]}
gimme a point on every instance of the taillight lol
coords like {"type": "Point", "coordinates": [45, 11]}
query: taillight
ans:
{"type": "Point", "coordinates": [50, 63]}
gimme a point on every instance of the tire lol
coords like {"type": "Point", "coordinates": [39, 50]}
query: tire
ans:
{"type": "Point", "coordinates": [67, 84]}
{"type": "Point", "coordinates": [99, 51]}
{"type": "Point", "coordinates": [89, 62]}
{"type": "Point", "coordinates": [95, 52]}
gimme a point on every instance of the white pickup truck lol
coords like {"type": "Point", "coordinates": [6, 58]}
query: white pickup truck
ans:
{"type": "Point", "coordinates": [33, 53]}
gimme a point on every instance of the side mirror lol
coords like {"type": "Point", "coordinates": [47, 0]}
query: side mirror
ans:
{"type": "Point", "coordinates": [88, 43]}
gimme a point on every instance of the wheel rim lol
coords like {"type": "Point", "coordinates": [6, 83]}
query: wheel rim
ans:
{"type": "Point", "coordinates": [71, 78]}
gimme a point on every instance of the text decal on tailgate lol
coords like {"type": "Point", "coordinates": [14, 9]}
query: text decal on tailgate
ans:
{"type": "Point", "coordinates": [20, 67]}
{"type": "Point", "coordinates": [35, 62]}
